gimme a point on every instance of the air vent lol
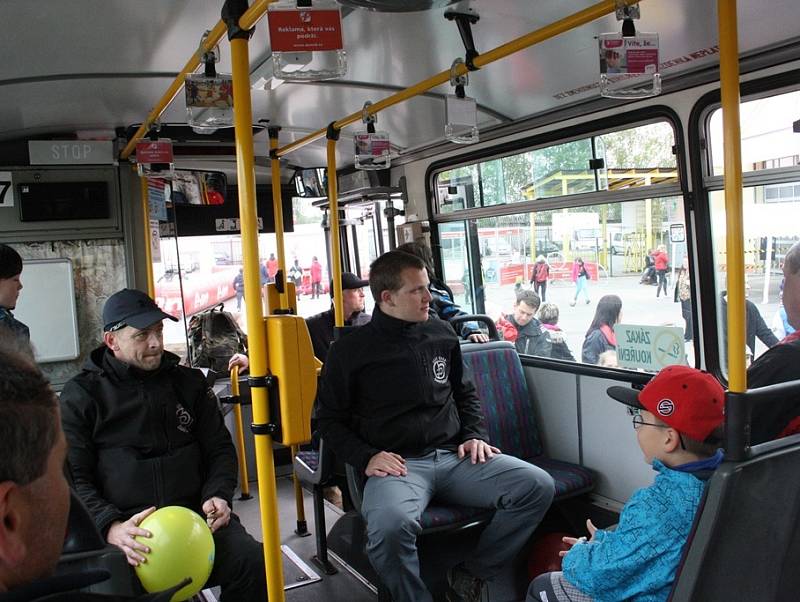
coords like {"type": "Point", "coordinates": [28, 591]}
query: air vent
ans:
{"type": "Point", "coordinates": [397, 6]}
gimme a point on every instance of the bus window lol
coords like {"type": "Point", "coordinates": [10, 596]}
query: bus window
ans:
{"type": "Point", "coordinates": [770, 196]}
{"type": "Point", "coordinates": [455, 263]}
{"type": "Point", "coordinates": [561, 238]}
{"type": "Point", "coordinates": [768, 235]}
{"type": "Point", "coordinates": [590, 252]}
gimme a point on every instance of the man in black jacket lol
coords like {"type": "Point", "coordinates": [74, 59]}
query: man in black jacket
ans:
{"type": "Point", "coordinates": [321, 326]}
{"type": "Point", "coordinates": [144, 432]}
{"type": "Point", "coordinates": [780, 364]}
{"type": "Point", "coordinates": [394, 403]}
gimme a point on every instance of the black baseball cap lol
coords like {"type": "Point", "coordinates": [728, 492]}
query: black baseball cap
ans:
{"type": "Point", "coordinates": [131, 307]}
{"type": "Point", "coordinates": [350, 281]}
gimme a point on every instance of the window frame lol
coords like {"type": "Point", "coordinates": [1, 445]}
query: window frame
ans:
{"type": "Point", "coordinates": [588, 129]}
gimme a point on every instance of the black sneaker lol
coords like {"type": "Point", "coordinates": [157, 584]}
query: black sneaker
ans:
{"type": "Point", "coordinates": [464, 586]}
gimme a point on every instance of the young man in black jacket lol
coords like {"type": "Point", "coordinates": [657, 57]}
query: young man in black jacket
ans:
{"type": "Point", "coordinates": [394, 403]}
{"type": "Point", "coordinates": [143, 433]}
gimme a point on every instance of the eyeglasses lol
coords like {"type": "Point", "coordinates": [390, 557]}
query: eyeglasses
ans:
{"type": "Point", "coordinates": [639, 422]}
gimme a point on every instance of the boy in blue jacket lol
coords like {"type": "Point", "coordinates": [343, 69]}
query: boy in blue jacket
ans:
{"type": "Point", "coordinates": [678, 420]}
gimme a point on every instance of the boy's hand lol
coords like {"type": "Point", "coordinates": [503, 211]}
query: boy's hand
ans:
{"type": "Point", "coordinates": [571, 541]}
{"type": "Point", "coordinates": [591, 528]}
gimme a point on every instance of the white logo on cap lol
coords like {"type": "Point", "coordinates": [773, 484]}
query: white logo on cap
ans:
{"type": "Point", "coordinates": [666, 407]}
{"type": "Point", "coordinates": [440, 369]}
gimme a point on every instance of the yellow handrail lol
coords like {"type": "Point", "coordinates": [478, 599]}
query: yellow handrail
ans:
{"type": "Point", "coordinates": [729, 86]}
{"type": "Point", "coordinates": [333, 221]}
{"type": "Point", "coordinates": [256, 330]}
{"type": "Point", "coordinates": [580, 18]}
{"type": "Point", "coordinates": [244, 479]}
{"type": "Point", "coordinates": [277, 209]}
{"type": "Point", "coordinates": [148, 242]}
{"type": "Point", "coordinates": [248, 19]}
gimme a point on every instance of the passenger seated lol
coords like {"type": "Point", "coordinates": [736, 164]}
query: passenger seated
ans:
{"type": "Point", "coordinates": [522, 328]}
{"type": "Point", "coordinates": [145, 432]}
{"type": "Point", "coordinates": [34, 497]}
{"type": "Point", "coordinates": [394, 404]}
{"type": "Point", "coordinates": [678, 420]}
{"type": "Point", "coordinates": [548, 318]}
{"type": "Point", "coordinates": [779, 363]}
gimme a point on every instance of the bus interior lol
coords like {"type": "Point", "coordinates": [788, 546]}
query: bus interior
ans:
{"type": "Point", "coordinates": [556, 164]}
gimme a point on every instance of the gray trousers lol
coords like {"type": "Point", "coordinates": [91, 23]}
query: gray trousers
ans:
{"type": "Point", "coordinates": [552, 587]}
{"type": "Point", "coordinates": [520, 492]}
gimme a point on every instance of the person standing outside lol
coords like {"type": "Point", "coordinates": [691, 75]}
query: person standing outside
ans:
{"type": "Point", "coordinates": [580, 276]}
{"type": "Point", "coordinates": [394, 403]}
{"type": "Point", "coordinates": [10, 286]}
{"type": "Point", "coordinates": [683, 294]}
{"type": "Point", "coordinates": [316, 278]}
{"type": "Point", "coordinates": [661, 264]}
{"type": "Point", "coordinates": [540, 277]}
{"type": "Point", "coordinates": [600, 337]}
{"type": "Point", "coordinates": [272, 267]}
{"type": "Point", "coordinates": [238, 287]}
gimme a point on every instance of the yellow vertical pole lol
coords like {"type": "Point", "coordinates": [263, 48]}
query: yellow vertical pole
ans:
{"type": "Point", "coordinates": [729, 83]}
{"type": "Point", "coordinates": [333, 208]}
{"type": "Point", "coordinates": [244, 478]}
{"type": "Point", "coordinates": [148, 253]}
{"type": "Point", "coordinates": [277, 209]}
{"type": "Point", "coordinates": [256, 330]}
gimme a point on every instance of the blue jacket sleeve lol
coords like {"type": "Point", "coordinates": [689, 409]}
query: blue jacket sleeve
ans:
{"type": "Point", "coordinates": [607, 567]}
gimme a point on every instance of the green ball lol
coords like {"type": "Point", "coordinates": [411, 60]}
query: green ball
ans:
{"type": "Point", "coordinates": [181, 546]}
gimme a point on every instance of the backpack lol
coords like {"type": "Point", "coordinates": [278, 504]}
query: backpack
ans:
{"type": "Point", "coordinates": [214, 336]}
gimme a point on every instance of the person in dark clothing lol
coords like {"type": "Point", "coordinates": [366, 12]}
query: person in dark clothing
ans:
{"type": "Point", "coordinates": [34, 495]}
{"type": "Point", "coordinates": [394, 403]}
{"type": "Point", "coordinates": [238, 287]}
{"type": "Point", "coordinates": [548, 318]}
{"type": "Point", "coordinates": [780, 364]}
{"type": "Point", "coordinates": [523, 329]}
{"type": "Point", "coordinates": [144, 432]}
{"type": "Point", "coordinates": [755, 326]}
{"type": "Point", "coordinates": [10, 286]}
{"type": "Point", "coordinates": [442, 303]}
{"type": "Point", "coordinates": [540, 277]}
{"type": "Point", "coordinates": [321, 326]}
{"type": "Point", "coordinates": [600, 336]}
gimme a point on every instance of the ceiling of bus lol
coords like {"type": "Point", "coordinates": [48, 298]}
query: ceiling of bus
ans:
{"type": "Point", "coordinates": [102, 64]}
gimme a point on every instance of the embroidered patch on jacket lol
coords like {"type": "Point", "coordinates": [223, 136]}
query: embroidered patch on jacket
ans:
{"type": "Point", "coordinates": [440, 371]}
{"type": "Point", "coordinates": [185, 419]}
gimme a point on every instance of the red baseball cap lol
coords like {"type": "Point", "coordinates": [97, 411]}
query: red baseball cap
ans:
{"type": "Point", "coordinates": [689, 400]}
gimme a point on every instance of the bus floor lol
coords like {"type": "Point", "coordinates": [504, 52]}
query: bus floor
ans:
{"type": "Point", "coordinates": [346, 544]}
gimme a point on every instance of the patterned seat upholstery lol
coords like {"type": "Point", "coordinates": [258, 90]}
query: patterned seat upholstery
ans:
{"type": "Point", "coordinates": [496, 371]}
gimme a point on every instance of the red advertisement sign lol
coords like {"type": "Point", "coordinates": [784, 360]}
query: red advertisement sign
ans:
{"type": "Point", "coordinates": [154, 151]}
{"type": "Point", "coordinates": [305, 30]}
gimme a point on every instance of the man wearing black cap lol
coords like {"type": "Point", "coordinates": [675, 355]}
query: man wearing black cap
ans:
{"type": "Point", "coordinates": [320, 326]}
{"type": "Point", "coordinates": [10, 286]}
{"type": "Point", "coordinates": [144, 432]}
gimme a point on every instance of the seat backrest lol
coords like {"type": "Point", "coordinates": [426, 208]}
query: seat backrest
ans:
{"type": "Point", "coordinates": [496, 371]}
{"type": "Point", "coordinates": [746, 544]}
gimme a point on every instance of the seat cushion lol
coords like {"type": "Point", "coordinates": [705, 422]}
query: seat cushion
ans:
{"type": "Point", "coordinates": [306, 465]}
{"type": "Point", "coordinates": [570, 479]}
{"type": "Point", "coordinates": [449, 517]}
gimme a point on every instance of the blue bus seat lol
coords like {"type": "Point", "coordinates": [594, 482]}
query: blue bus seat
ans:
{"type": "Point", "coordinates": [315, 467]}
{"type": "Point", "coordinates": [745, 543]}
{"type": "Point", "coordinates": [496, 371]}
